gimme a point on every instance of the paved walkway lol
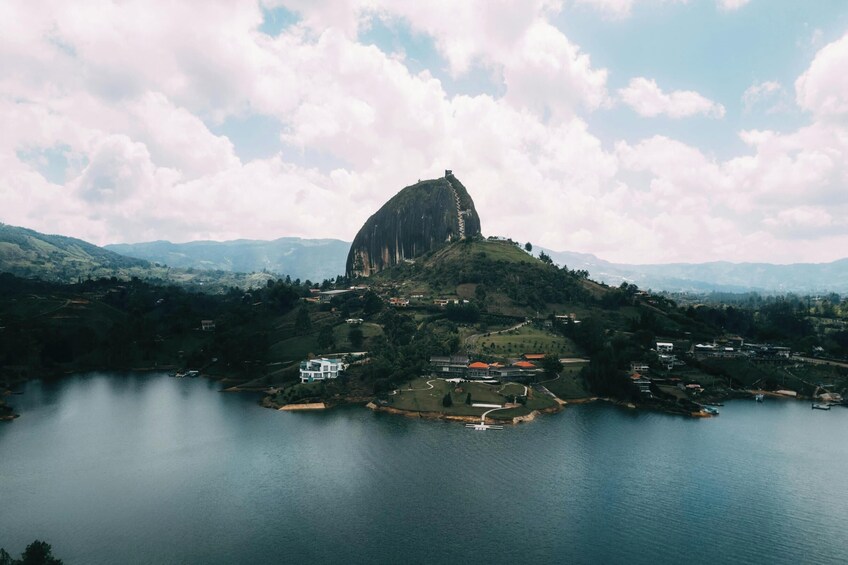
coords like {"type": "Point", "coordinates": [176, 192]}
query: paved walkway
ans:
{"type": "Point", "coordinates": [429, 387]}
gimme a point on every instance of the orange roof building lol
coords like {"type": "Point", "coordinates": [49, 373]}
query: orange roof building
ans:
{"type": "Point", "coordinates": [478, 365]}
{"type": "Point", "coordinates": [534, 356]}
{"type": "Point", "coordinates": [525, 365]}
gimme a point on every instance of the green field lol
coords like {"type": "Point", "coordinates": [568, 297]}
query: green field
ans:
{"type": "Point", "coordinates": [419, 396]}
{"type": "Point", "coordinates": [527, 339]}
{"type": "Point", "coordinates": [569, 385]}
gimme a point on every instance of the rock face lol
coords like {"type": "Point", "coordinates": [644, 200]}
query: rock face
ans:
{"type": "Point", "coordinates": [418, 219]}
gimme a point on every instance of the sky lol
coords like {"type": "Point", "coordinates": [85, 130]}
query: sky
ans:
{"type": "Point", "coordinates": [642, 131]}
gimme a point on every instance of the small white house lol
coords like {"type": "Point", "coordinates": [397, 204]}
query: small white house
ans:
{"type": "Point", "coordinates": [665, 347]}
{"type": "Point", "coordinates": [320, 369]}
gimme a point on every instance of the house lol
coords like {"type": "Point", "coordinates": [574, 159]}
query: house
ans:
{"type": "Point", "coordinates": [207, 325]}
{"type": "Point", "coordinates": [445, 301]}
{"type": "Point", "coordinates": [507, 373]}
{"type": "Point", "coordinates": [327, 295]}
{"type": "Point", "coordinates": [566, 317]}
{"type": "Point", "coordinates": [533, 356]}
{"type": "Point", "coordinates": [639, 368]}
{"type": "Point", "coordinates": [642, 383]}
{"type": "Point", "coordinates": [517, 371]}
{"type": "Point", "coordinates": [320, 369]}
{"type": "Point", "coordinates": [665, 347]}
{"type": "Point", "coordinates": [354, 321]}
{"type": "Point", "coordinates": [399, 302]}
{"type": "Point", "coordinates": [478, 370]}
{"type": "Point", "coordinates": [453, 366]}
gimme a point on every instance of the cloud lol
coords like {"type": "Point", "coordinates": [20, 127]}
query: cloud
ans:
{"type": "Point", "coordinates": [612, 8]}
{"type": "Point", "coordinates": [648, 100]}
{"type": "Point", "coordinates": [732, 5]}
{"type": "Point", "coordinates": [134, 102]}
{"type": "Point", "coordinates": [823, 88]}
{"type": "Point", "coordinates": [759, 93]}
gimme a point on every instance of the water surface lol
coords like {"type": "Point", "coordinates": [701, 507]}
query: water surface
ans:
{"type": "Point", "coordinates": [142, 468]}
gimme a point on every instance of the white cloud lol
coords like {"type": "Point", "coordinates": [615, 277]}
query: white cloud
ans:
{"type": "Point", "coordinates": [761, 92]}
{"type": "Point", "coordinates": [731, 5]}
{"type": "Point", "coordinates": [648, 100]}
{"type": "Point", "coordinates": [133, 99]}
{"type": "Point", "coordinates": [823, 88]}
{"type": "Point", "coordinates": [613, 8]}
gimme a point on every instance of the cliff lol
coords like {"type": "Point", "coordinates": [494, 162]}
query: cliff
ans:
{"type": "Point", "coordinates": [418, 219]}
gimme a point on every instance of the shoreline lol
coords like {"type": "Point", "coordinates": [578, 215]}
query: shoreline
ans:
{"type": "Point", "coordinates": [462, 418]}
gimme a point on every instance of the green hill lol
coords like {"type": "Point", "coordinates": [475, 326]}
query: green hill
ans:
{"type": "Point", "coordinates": [28, 253]}
{"type": "Point", "coordinates": [498, 274]}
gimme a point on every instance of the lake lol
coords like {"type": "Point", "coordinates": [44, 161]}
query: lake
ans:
{"type": "Point", "coordinates": [142, 468]}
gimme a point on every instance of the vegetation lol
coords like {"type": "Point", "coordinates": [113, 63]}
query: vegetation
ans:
{"type": "Point", "coordinates": [30, 254]}
{"type": "Point", "coordinates": [506, 304]}
{"type": "Point", "coordinates": [36, 553]}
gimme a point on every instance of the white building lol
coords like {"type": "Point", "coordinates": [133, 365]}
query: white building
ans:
{"type": "Point", "coordinates": [320, 369]}
{"type": "Point", "coordinates": [664, 347]}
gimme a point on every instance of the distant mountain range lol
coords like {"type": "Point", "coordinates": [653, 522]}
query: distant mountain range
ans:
{"type": "Point", "coordinates": [312, 259]}
{"type": "Point", "coordinates": [28, 253]}
{"type": "Point", "coordinates": [718, 276]}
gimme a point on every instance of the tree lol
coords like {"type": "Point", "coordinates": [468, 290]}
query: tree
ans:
{"type": "Point", "coordinates": [371, 303]}
{"type": "Point", "coordinates": [447, 401]}
{"type": "Point", "coordinates": [36, 553]}
{"type": "Point", "coordinates": [356, 337]}
{"type": "Point", "coordinates": [468, 399]}
{"type": "Point", "coordinates": [302, 323]}
{"type": "Point", "coordinates": [551, 364]}
{"type": "Point", "coordinates": [545, 258]}
{"type": "Point", "coordinates": [528, 247]}
{"type": "Point", "coordinates": [326, 339]}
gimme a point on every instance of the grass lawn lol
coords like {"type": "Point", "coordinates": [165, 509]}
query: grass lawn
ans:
{"type": "Point", "coordinates": [294, 348]}
{"type": "Point", "coordinates": [342, 331]}
{"type": "Point", "coordinates": [424, 399]}
{"type": "Point", "coordinates": [569, 385]}
{"type": "Point", "coordinates": [525, 340]}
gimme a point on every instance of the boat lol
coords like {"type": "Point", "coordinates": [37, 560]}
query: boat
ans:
{"type": "Point", "coordinates": [759, 397]}
{"type": "Point", "coordinates": [820, 406]}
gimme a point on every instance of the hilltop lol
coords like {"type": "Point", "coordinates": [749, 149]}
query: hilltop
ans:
{"type": "Point", "coordinates": [418, 219]}
{"type": "Point", "coordinates": [28, 253]}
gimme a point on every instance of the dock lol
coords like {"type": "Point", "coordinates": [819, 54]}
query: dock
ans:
{"type": "Point", "coordinates": [484, 427]}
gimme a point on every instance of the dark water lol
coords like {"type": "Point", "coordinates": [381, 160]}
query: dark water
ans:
{"type": "Point", "coordinates": [147, 469]}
